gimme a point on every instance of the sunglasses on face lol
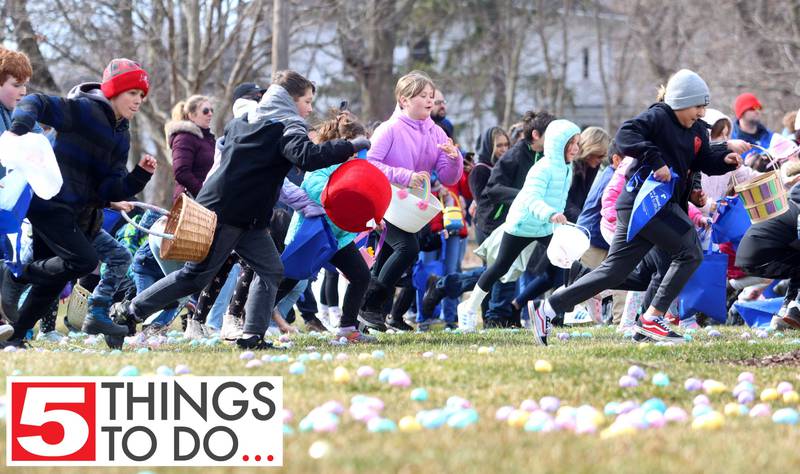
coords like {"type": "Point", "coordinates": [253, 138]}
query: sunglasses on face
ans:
{"type": "Point", "coordinates": [207, 111]}
{"type": "Point", "coordinates": [440, 102]}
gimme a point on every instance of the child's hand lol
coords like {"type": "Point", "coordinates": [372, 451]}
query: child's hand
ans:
{"type": "Point", "coordinates": [148, 163]}
{"type": "Point", "coordinates": [417, 179]}
{"type": "Point", "coordinates": [558, 218]}
{"type": "Point", "coordinates": [733, 159]}
{"type": "Point", "coordinates": [663, 174]}
{"type": "Point", "coordinates": [449, 149]}
{"type": "Point", "coordinates": [121, 206]}
{"type": "Point", "coordinates": [738, 146]}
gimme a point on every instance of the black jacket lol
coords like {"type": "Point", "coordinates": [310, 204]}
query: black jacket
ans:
{"type": "Point", "coordinates": [507, 178]}
{"type": "Point", "coordinates": [255, 159]}
{"type": "Point", "coordinates": [656, 138]}
{"type": "Point", "coordinates": [582, 179]}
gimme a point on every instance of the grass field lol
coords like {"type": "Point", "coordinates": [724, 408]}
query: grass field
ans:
{"type": "Point", "coordinates": [585, 371]}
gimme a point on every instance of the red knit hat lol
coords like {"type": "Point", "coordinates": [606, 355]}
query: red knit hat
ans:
{"type": "Point", "coordinates": [745, 102]}
{"type": "Point", "coordinates": [356, 193]}
{"type": "Point", "coordinates": [123, 75]}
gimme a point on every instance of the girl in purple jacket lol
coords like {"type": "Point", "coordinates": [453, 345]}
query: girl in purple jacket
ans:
{"type": "Point", "coordinates": [407, 148]}
{"type": "Point", "coordinates": [192, 144]}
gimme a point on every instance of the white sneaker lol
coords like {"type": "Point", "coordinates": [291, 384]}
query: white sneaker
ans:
{"type": "Point", "coordinates": [334, 318]}
{"type": "Point", "coordinates": [232, 328]}
{"type": "Point", "coordinates": [6, 331]}
{"type": "Point", "coordinates": [194, 330]}
{"type": "Point", "coordinates": [467, 317]}
{"type": "Point", "coordinates": [50, 336]}
{"type": "Point", "coordinates": [539, 322]}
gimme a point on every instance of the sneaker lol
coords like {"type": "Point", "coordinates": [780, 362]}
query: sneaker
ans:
{"type": "Point", "coordinates": [115, 342]}
{"type": "Point", "coordinates": [673, 319]}
{"type": "Point", "coordinates": [10, 294]}
{"type": "Point", "coordinates": [467, 317]}
{"type": "Point", "coordinates": [98, 320]}
{"type": "Point", "coordinates": [424, 326]}
{"type": "Point", "coordinates": [777, 324]}
{"type": "Point", "coordinates": [254, 343]}
{"type": "Point", "coordinates": [155, 330]}
{"type": "Point", "coordinates": [195, 330]}
{"type": "Point", "coordinates": [354, 336]}
{"type": "Point", "coordinates": [398, 325]}
{"type": "Point", "coordinates": [451, 326]}
{"type": "Point", "coordinates": [493, 324]}
{"type": "Point", "coordinates": [372, 320]}
{"type": "Point", "coordinates": [314, 324]}
{"type": "Point", "coordinates": [232, 327]}
{"type": "Point", "coordinates": [432, 297]}
{"type": "Point", "coordinates": [792, 316]}
{"type": "Point", "coordinates": [50, 336]}
{"type": "Point", "coordinates": [540, 323]}
{"type": "Point", "coordinates": [121, 314]}
{"type": "Point", "coordinates": [334, 316]}
{"type": "Point", "coordinates": [18, 343]}
{"type": "Point", "coordinates": [658, 330]}
{"type": "Point", "coordinates": [640, 337]}
{"type": "Point", "coordinates": [6, 331]}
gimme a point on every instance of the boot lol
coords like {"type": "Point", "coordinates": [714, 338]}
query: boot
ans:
{"type": "Point", "coordinates": [371, 315]}
{"type": "Point", "coordinates": [98, 320]}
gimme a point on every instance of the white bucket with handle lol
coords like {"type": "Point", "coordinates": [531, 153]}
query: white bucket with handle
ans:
{"type": "Point", "coordinates": [411, 208]}
{"type": "Point", "coordinates": [569, 243]}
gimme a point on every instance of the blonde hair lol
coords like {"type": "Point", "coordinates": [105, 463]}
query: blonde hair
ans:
{"type": "Point", "coordinates": [412, 85]}
{"type": "Point", "coordinates": [594, 141]}
{"type": "Point", "coordinates": [182, 109]}
{"type": "Point", "coordinates": [662, 93]}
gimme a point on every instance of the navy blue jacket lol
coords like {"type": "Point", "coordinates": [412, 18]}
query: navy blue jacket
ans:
{"type": "Point", "coordinates": [590, 215]}
{"type": "Point", "coordinates": [91, 148]}
{"type": "Point", "coordinates": [656, 138]}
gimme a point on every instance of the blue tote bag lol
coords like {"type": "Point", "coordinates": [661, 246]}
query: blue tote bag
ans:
{"type": "Point", "coordinates": [705, 292]}
{"type": "Point", "coordinates": [313, 245]}
{"type": "Point", "coordinates": [652, 196]}
{"type": "Point", "coordinates": [732, 221]}
{"type": "Point", "coordinates": [758, 314]}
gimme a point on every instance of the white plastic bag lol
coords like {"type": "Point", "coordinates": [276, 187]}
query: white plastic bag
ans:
{"type": "Point", "coordinates": [32, 155]}
{"type": "Point", "coordinates": [11, 188]}
{"type": "Point", "coordinates": [568, 244]}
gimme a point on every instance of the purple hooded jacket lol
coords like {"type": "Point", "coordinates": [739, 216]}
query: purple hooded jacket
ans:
{"type": "Point", "coordinates": [192, 155]}
{"type": "Point", "coordinates": [402, 146]}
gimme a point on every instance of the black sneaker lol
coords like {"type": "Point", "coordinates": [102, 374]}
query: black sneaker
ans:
{"type": "Point", "coordinates": [432, 297]}
{"type": "Point", "coordinates": [114, 342]}
{"type": "Point", "coordinates": [640, 337]}
{"type": "Point", "coordinates": [493, 324]}
{"type": "Point", "coordinates": [658, 330]}
{"type": "Point", "coordinates": [451, 326]}
{"type": "Point", "coordinates": [18, 343]}
{"type": "Point", "coordinates": [372, 320]}
{"type": "Point", "coordinates": [120, 313]}
{"type": "Point", "coordinates": [10, 294]}
{"type": "Point", "coordinates": [398, 325]}
{"type": "Point", "coordinates": [105, 327]}
{"type": "Point", "coordinates": [254, 343]}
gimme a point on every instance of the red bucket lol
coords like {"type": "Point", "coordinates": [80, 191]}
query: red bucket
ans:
{"type": "Point", "coordinates": [356, 193]}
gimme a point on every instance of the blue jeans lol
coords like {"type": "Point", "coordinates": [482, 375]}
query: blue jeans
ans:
{"type": "Point", "coordinates": [500, 303]}
{"type": "Point", "coordinates": [286, 303]}
{"type": "Point", "coordinates": [225, 294]}
{"type": "Point", "coordinates": [116, 260]}
{"type": "Point", "coordinates": [144, 281]}
{"type": "Point", "coordinates": [452, 263]}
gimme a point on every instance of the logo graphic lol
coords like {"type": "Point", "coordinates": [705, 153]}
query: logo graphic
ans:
{"type": "Point", "coordinates": [144, 421]}
{"type": "Point", "coordinates": [697, 144]}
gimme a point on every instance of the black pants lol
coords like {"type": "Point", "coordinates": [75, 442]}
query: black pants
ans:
{"type": "Point", "coordinates": [210, 293]}
{"type": "Point", "coordinates": [510, 248]}
{"type": "Point", "coordinates": [398, 254]}
{"type": "Point", "coordinates": [352, 265]}
{"type": "Point", "coordinates": [670, 230]}
{"type": "Point", "coordinates": [63, 253]}
{"type": "Point", "coordinates": [329, 296]}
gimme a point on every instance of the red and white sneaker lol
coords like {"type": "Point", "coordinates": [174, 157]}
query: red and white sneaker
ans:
{"type": "Point", "coordinates": [673, 319]}
{"type": "Point", "coordinates": [540, 323]}
{"type": "Point", "coordinates": [658, 330]}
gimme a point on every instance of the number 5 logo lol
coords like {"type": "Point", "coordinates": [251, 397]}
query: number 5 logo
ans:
{"type": "Point", "coordinates": [52, 421]}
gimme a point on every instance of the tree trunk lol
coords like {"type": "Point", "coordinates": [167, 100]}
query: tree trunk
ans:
{"type": "Point", "coordinates": [280, 35]}
{"type": "Point", "coordinates": [28, 43]}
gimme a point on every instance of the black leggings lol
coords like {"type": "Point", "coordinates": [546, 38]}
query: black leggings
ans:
{"type": "Point", "coordinates": [349, 261]}
{"type": "Point", "coordinates": [210, 293]}
{"type": "Point", "coordinates": [510, 248]}
{"type": "Point", "coordinates": [398, 254]}
{"type": "Point", "coordinates": [329, 296]}
{"type": "Point", "coordinates": [236, 306]}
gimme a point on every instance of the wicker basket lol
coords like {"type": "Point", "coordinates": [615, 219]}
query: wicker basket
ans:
{"type": "Point", "coordinates": [764, 196]}
{"type": "Point", "coordinates": [77, 307]}
{"type": "Point", "coordinates": [189, 230]}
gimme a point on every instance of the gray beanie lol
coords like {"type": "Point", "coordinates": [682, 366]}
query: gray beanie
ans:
{"type": "Point", "coordinates": [686, 89]}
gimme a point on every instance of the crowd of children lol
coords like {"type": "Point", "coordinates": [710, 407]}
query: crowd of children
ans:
{"type": "Point", "coordinates": [511, 195]}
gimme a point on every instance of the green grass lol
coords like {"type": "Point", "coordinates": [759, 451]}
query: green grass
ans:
{"type": "Point", "coordinates": [586, 371]}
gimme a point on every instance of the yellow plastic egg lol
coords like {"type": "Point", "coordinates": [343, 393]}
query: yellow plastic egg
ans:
{"type": "Point", "coordinates": [791, 397]}
{"type": "Point", "coordinates": [483, 350]}
{"type": "Point", "coordinates": [543, 366]}
{"type": "Point", "coordinates": [710, 421]}
{"type": "Point", "coordinates": [614, 431]}
{"type": "Point", "coordinates": [518, 418]}
{"type": "Point", "coordinates": [732, 409]}
{"type": "Point", "coordinates": [714, 387]}
{"type": "Point", "coordinates": [409, 424]}
{"type": "Point", "coordinates": [341, 375]}
{"type": "Point", "coordinates": [769, 395]}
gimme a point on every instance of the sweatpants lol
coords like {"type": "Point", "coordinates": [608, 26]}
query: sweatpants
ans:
{"type": "Point", "coordinates": [254, 246]}
{"type": "Point", "coordinates": [63, 253]}
{"type": "Point", "coordinates": [682, 247]}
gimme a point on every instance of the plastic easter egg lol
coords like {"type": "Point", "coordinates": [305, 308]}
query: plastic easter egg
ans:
{"type": "Point", "coordinates": [733, 409]}
{"type": "Point", "coordinates": [660, 379]}
{"type": "Point", "coordinates": [543, 366]}
{"type": "Point", "coordinates": [325, 423]}
{"type": "Point", "coordinates": [791, 398]}
{"type": "Point", "coordinates": [319, 449]}
{"type": "Point", "coordinates": [786, 416]}
{"type": "Point", "coordinates": [760, 410]}
{"type": "Point", "coordinates": [164, 371]}
{"type": "Point", "coordinates": [384, 375]}
{"type": "Point", "coordinates": [655, 419]}
{"type": "Point", "coordinates": [128, 371]}
{"type": "Point", "coordinates": [463, 418]}
{"type": "Point", "coordinates": [409, 424]}
{"type": "Point", "coordinates": [432, 419]}
{"type": "Point", "coordinates": [365, 371]}
{"type": "Point", "coordinates": [714, 333]}
{"type": "Point", "coordinates": [503, 412]}
{"type": "Point", "coordinates": [784, 387]}
{"type": "Point", "coordinates": [441, 357]}
{"type": "Point", "coordinates": [611, 409]}
{"type": "Point", "coordinates": [676, 415]}
{"type": "Point", "coordinates": [529, 405]}
{"type": "Point", "coordinates": [539, 421]}
{"type": "Point", "coordinates": [693, 384]}
{"type": "Point", "coordinates": [713, 387]}
{"type": "Point", "coordinates": [654, 404]}
{"type": "Point", "coordinates": [419, 395]}
{"type": "Point", "coordinates": [399, 378]}
{"type": "Point", "coordinates": [377, 354]}
{"type": "Point", "coordinates": [745, 397]}
{"type": "Point", "coordinates": [626, 381]}
{"type": "Point", "coordinates": [254, 363]}
{"type": "Point", "coordinates": [458, 402]}
{"type": "Point", "coordinates": [636, 372]}
{"type": "Point", "coordinates": [549, 404]}
{"type": "Point", "coordinates": [381, 425]}
{"type": "Point", "coordinates": [327, 358]}
{"type": "Point", "coordinates": [247, 355]}
{"type": "Point", "coordinates": [428, 355]}
{"type": "Point", "coordinates": [769, 395]}
{"type": "Point", "coordinates": [518, 418]}
{"type": "Point", "coordinates": [341, 375]}
{"type": "Point", "coordinates": [563, 336]}
{"type": "Point", "coordinates": [710, 421]}
{"type": "Point", "coordinates": [700, 410]}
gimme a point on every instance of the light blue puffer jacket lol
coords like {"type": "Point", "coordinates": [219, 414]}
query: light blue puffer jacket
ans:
{"type": "Point", "coordinates": [546, 185]}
